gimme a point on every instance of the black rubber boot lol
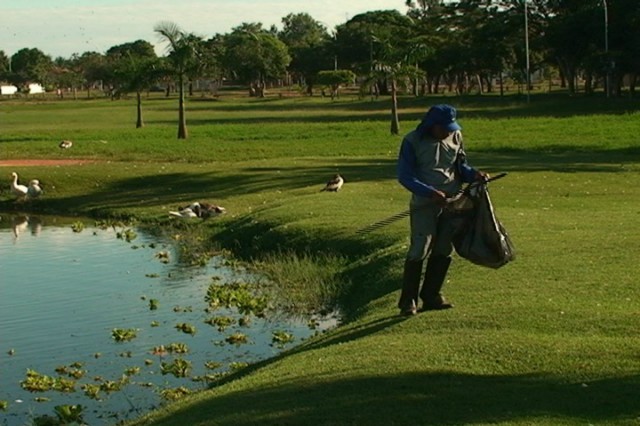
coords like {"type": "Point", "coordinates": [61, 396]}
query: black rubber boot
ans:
{"type": "Point", "coordinates": [410, 287]}
{"type": "Point", "coordinates": [437, 267]}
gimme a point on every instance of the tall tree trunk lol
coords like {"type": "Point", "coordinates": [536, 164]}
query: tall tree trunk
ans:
{"type": "Point", "coordinates": [182, 121]}
{"type": "Point", "coordinates": [395, 123]}
{"type": "Point", "coordinates": [139, 122]}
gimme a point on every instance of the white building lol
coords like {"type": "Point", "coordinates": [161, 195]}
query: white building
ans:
{"type": "Point", "coordinates": [8, 90]}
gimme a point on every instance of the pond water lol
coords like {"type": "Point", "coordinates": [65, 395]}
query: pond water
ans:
{"type": "Point", "coordinates": [62, 295]}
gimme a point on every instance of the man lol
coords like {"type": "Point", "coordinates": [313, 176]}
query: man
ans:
{"type": "Point", "coordinates": [432, 165]}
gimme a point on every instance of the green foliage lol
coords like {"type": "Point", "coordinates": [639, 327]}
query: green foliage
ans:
{"type": "Point", "coordinates": [69, 413]}
{"type": "Point", "coordinates": [124, 335]}
{"type": "Point", "coordinates": [336, 78]}
{"type": "Point", "coordinates": [178, 367]}
{"type": "Point", "coordinates": [186, 328]}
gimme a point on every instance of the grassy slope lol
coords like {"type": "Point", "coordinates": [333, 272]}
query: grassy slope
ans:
{"type": "Point", "coordinates": [549, 339]}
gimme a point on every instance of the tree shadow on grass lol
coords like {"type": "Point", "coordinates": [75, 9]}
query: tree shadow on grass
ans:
{"type": "Point", "coordinates": [177, 189]}
{"type": "Point", "coordinates": [441, 398]}
{"type": "Point", "coordinates": [476, 107]}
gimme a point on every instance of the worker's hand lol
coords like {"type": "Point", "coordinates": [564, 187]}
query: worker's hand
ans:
{"type": "Point", "coordinates": [482, 176]}
{"type": "Point", "coordinates": [439, 197]}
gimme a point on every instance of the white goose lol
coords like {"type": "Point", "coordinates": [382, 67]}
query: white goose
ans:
{"type": "Point", "coordinates": [201, 210]}
{"type": "Point", "coordinates": [18, 190]}
{"type": "Point", "coordinates": [34, 190]}
{"type": "Point", "coordinates": [187, 212]}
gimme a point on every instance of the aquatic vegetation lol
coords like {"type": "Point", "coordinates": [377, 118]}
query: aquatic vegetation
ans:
{"type": "Point", "coordinates": [281, 338]}
{"type": "Point", "coordinates": [179, 367]}
{"type": "Point", "coordinates": [221, 322]}
{"type": "Point", "coordinates": [178, 348]}
{"type": "Point", "coordinates": [248, 305]}
{"type": "Point", "coordinates": [132, 371]}
{"type": "Point", "coordinates": [111, 223]}
{"type": "Point", "coordinates": [237, 338]}
{"type": "Point", "coordinates": [36, 382]}
{"type": "Point", "coordinates": [69, 413]}
{"type": "Point", "coordinates": [41, 399]}
{"type": "Point", "coordinates": [92, 391]}
{"type": "Point", "coordinates": [128, 235]}
{"type": "Point", "coordinates": [186, 328]}
{"type": "Point", "coordinates": [152, 275]}
{"type": "Point", "coordinates": [113, 386]}
{"type": "Point", "coordinates": [235, 366]}
{"type": "Point", "coordinates": [174, 394]}
{"type": "Point", "coordinates": [4, 405]}
{"type": "Point", "coordinates": [159, 350]}
{"type": "Point", "coordinates": [77, 227]}
{"type": "Point", "coordinates": [153, 304]}
{"type": "Point", "coordinates": [74, 370]}
{"type": "Point", "coordinates": [155, 324]}
{"type": "Point", "coordinates": [148, 362]}
{"type": "Point", "coordinates": [163, 256]}
{"type": "Point", "coordinates": [238, 295]}
{"type": "Point", "coordinates": [123, 335]}
{"type": "Point", "coordinates": [212, 365]}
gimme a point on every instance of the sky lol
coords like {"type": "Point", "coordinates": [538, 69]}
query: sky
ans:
{"type": "Point", "coordinates": [64, 27]}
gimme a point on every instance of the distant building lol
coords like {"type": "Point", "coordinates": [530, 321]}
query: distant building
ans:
{"type": "Point", "coordinates": [34, 88]}
{"type": "Point", "coordinates": [8, 90]}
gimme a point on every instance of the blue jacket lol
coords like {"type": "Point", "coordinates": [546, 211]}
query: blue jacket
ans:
{"type": "Point", "coordinates": [426, 164]}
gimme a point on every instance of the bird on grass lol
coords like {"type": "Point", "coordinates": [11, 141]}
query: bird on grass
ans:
{"type": "Point", "coordinates": [199, 210]}
{"type": "Point", "coordinates": [20, 191]}
{"type": "Point", "coordinates": [65, 144]}
{"type": "Point", "coordinates": [334, 184]}
{"type": "Point", "coordinates": [34, 190]}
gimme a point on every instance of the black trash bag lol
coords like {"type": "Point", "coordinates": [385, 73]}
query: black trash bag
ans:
{"type": "Point", "coordinates": [479, 236]}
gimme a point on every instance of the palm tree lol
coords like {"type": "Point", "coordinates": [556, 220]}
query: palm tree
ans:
{"type": "Point", "coordinates": [183, 57]}
{"type": "Point", "coordinates": [136, 74]}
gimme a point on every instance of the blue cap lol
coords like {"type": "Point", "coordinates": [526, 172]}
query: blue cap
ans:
{"type": "Point", "coordinates": [442, 114]}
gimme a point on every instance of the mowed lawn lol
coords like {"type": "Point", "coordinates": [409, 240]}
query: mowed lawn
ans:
{"type": "Point", "coordinates": [549, 339]}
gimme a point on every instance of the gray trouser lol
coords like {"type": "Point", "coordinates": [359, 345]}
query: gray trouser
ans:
{"type": "Point", "coordinates": [431, 231]}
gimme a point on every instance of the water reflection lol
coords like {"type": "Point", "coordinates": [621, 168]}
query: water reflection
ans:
{"type": "Point", "coordinates": [22, 224]}
{"type": "Point", "coordinates": [64, 294]}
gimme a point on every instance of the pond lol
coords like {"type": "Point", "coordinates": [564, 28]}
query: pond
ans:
{"type": "Point", "coordinates": [106, 319]}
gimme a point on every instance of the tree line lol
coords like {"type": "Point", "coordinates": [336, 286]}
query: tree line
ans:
{"type": "Point", "coordinates": [461, 46]}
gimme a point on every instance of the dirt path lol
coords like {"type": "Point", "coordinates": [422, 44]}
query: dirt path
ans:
{"type": "Point", "coordinates": [42, 162]}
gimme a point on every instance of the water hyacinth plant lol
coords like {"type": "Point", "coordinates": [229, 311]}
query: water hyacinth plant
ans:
{"type": "Point", "coordinates": [186, 328]}
{"type": "Point", "coordinates": [178, 368]}
{"type": "Point", "coordinates": [123, 335]}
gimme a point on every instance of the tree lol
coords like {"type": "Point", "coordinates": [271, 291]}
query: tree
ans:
{"type": "Point", "coordinates": [92, 65]}
{"type": "Point", "coordinates": [29, 66]}
{"type": "Point", "coordinates": [309, 46]}
{"type": "Point", "coordinates": [137, 74]}
{"type": "Point", "coordinates": [4, 65]}
{"type": "Point", "coordinates": [335, 79]}
{"type": "Point", "coordinates": [358, 43]}
{"type": "Point", "coordinates": [183, 57]}
{"type": "Point", "coordinates": [65, 74]}
{"type": "Point", "coordinates": [254, 56]}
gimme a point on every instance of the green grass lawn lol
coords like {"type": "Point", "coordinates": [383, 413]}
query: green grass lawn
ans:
{"type": "Point", "coordinates": [550, 339]}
